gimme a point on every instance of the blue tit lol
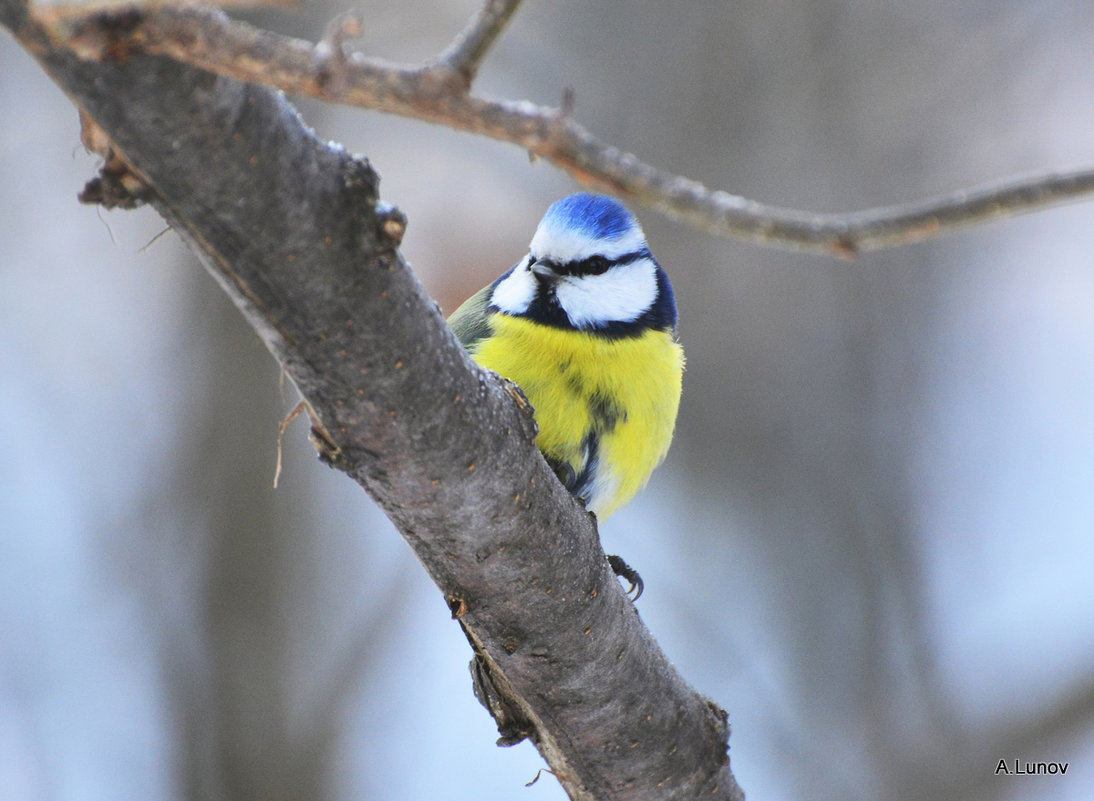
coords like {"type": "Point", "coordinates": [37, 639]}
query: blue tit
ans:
{"type": "Point", "coordinates": [585, 325]}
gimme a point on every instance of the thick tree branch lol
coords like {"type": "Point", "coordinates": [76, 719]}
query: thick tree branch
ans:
{"type": "Point", "coordinates": [295, 232]}
{"type": "Point", "coordinates": [438, 93]}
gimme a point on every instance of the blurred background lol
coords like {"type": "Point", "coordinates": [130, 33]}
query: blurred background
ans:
{"type": "Point", "coordinates": [872, 542]}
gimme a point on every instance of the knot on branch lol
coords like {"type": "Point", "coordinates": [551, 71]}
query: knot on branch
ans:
{"type": "Point", "coordinates": [392, 223]}
{"type": "Point", "coordinates": [106, 36]}
{"type": "Point", "coordinates": [117, 186]}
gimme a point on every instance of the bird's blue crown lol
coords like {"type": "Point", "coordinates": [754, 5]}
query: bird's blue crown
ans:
{"type": "Point", "coordinates": [594, 215]}
{"type": "Point", "coordinates": [582, 226]}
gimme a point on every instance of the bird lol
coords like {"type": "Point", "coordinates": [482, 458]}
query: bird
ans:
{"type": "Point", "coordinates": [586, 325]}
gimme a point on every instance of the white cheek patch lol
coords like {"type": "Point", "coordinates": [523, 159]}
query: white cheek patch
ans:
{"type": "Point", "coordinates": [515, 294]}
{"type": "Point", "coordinates": [565, 245]}
{"type": "Point", "coordinates": [622, 294]}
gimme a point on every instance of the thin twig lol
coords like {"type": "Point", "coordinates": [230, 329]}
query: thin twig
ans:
{"type": "Point", "coordinates": [329, 54]}
{"type": "Point", "coordinates": [464, 56]}
{"type": "Point", "coordinates": [208, 39]}
{"type": "Point", "coordinates": [282, 427]}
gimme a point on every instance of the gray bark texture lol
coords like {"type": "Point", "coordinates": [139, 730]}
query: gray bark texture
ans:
{"type": "Point", "coordinates": [295, 232]}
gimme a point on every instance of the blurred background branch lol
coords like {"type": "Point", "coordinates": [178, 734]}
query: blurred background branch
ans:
{"type": "Point", "coordinates": [439, 92]}
{"type": "Point", "coordinates": [467, 51]}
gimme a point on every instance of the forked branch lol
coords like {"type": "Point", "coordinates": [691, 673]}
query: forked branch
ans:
{"type": "Point", "coordinates": [464, 56]}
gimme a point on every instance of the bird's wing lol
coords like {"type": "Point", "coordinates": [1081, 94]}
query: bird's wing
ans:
{"type": "Point", "coordinates": [469, 322]}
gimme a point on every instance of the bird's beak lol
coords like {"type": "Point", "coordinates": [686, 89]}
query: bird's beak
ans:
{"type": "Point", "coordinates": [544, 271]}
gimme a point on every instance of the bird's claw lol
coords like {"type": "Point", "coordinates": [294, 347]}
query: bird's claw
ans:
{"type": "Point", "coordinates": [628, 574]}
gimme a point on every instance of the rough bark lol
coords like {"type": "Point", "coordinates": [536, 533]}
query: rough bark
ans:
{"type": "Point", "coordinates": [295, 232]}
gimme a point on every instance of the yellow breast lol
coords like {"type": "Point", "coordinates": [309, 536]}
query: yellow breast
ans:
{"type": "Point", "coordinates": [606, 408]}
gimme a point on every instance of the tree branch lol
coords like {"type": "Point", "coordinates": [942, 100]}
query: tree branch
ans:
{"type": "Point", "coordinates": [295, 232]}
{"type": "Point", "coordinates": [464, 56]}
{"type": "Point", "coordinates": [208, 39]}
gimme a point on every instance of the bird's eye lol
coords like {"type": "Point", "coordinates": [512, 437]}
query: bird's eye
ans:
{"type": "Point", "coordinates": [595, 265]}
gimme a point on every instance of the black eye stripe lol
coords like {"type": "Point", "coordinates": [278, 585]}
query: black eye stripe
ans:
{"type": "Point", "coordinates": [631, 258]}
{"type": "Point", "coordinates": [595, 265]}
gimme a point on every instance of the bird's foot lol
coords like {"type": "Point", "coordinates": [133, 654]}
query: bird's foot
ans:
{"type": "Point", "coordinates": [628, 574]}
